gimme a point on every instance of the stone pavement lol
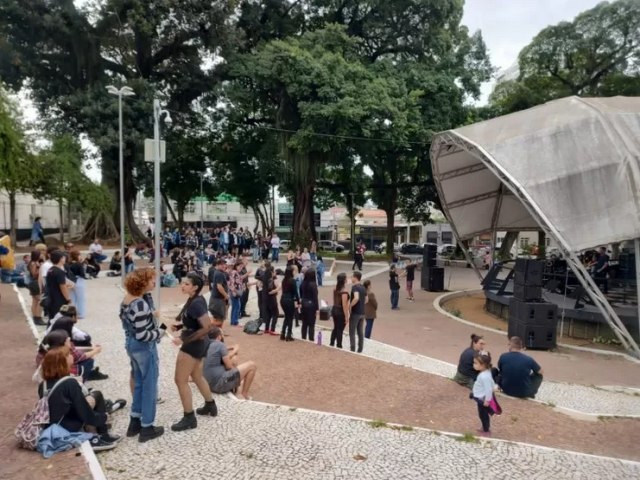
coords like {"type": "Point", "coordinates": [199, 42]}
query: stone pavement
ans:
{"type": "Point", "coordinates": [253, 440]}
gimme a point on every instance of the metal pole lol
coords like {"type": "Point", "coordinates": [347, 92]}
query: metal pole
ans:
{"type": "Point", "coordinates": [353, 226]}
{"type": "Point", "coordinates": [156, 197]}
{"type": "Point", "coordinates": [121, 167]}
{"type": "Point", "coordinates": [201, 205]}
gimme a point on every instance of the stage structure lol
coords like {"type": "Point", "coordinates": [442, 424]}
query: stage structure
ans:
{"type": "Point", "coordinates": [570, 167]}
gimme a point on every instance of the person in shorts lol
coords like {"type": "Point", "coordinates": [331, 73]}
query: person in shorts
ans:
{"type": "Point", "coordinates": [410, 269]}
{"type": "Point", "coordinates": [218, 286]}
{"type": "Point", "coordinates": [220, 369]}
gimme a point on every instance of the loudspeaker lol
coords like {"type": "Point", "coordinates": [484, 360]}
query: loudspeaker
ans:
{"type": "Point", "coordinates": [541, 337]}
{"type": "Point", "coordinates": [529, 272]}
{"type": "Point", "coordinates": [533, 313]}
{"type": "Point", "coordinates": [527, 292]}
{"type": "Point", "coordinates": [433, 279]}
{"type": "Point", "coordinates": [429, 257]}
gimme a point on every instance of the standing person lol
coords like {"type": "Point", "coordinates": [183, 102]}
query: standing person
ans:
{"type": "Point", "coordinates": [33, 268]}
{"type": "Point", "coordinates": [96, 249]}
{"type": "Point", "coordinates": [270, 292]}
{"type": "Point", "coordinates": [275, 248]}
{"type": "Point", "coordinates": [57, 287]}
{"type": "Point", "coordinates": [410, 270]}
{"type": "Point", "coordinates": [313, 252]}
{"type": "Point", "coordinates": [394, 286]}
{"type": "Point", "coordinates": [482, 391]}
{"type": "Point", "coordinates": [339, 310]}
{"type": "Point", "coordinates": [245, 272]}
{"type": "Point", "coordinates": [600, 270]}
{"type": "Point", "coordinates": [37, 233]}
{"type": "Point", "coordinates": [466, 374]}
{"type": "Point", "coordinates": [219, 298]}
{"type": "Point", "coordinates": [195, 323]}
{"type": "Point", "coordinates": [259, 277]}
{"type": "Point", "coordinates": [142, 335]}
{"type": "Point", "coordinates": [236, 290]}
{"type": "Point", "coordinates": [309, 304]}
{"type": "Point", "coordinates": [370, 308]}
{"type": "Point", "coordinates": [356, 318]}
{"type": "Point", "coordinates": [78, 292]}
{"type": "Point", "coordinates": [289, 301]}
{"type": "Point", "coordinates": [128, 258]}
{"type": "Point", "coordinates": [320, 268]}
{"type": "Point", "coordinates": [358, 257]}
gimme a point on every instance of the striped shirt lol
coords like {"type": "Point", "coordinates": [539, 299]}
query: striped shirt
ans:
{"type": "Point", "coordinates": [137, 319]}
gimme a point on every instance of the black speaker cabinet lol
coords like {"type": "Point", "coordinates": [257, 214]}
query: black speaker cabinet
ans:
{"type": "Point", "coordinates": [540, 337]}
{"type": "Point", "coordinates": [538, 313]}
{"type": "Point", "coordinates": [529, 272]}
{"type": "Point", "coordinates": [527, 293]}
{"type": "Point", "coordinates": [429, 257]}
{"type": "Point", "coordinates": [432, 279]}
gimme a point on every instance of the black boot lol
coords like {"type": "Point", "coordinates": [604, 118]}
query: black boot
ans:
{"type": "Point", "coordinates": [187, 422]}
{"type": "Point", "coordinates": [289, 338]}
{"type": "Point", "coordinates": [149, 433]}
{"type": "Point", "coordinates": [282, 335]}
{"type": "Point", "coordinates": [134, 427]}
{"type": "Point", "coordinates": [209, 408]}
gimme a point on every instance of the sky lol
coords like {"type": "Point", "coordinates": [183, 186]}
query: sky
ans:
{"type": "Point", "coordinates": [509, 25]}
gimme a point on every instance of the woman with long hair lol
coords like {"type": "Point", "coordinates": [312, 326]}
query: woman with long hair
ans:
{"type": "Point", "coordinates": [340, 310]}
{"type": "Point", "coordinates": [78, 292]}
{"type": "Point", "coordinates": [309, 303]}
{"type": "Point", "coordinates": [194, 321]}
{"type": "Point", "coordinates": [466, 374]}
{"type": "Point", "coordinates": [33, 270]}
{"type": "Point", "coordinates": [142, 335]}
{"type": "Point", "coordinates": [289, 302]}
{"type": "Point", "coordinates": [236, 289]}
{"type": "Point", "coordinates": [271, 289]}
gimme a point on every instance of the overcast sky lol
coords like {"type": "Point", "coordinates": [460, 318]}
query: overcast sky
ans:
{"type": "Point", "coordinates": [509, 25]}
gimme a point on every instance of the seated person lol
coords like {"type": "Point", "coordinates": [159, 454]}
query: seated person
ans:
{"type": "Point", "coordinates": [83, 360]}
{"type": "Point", "coordinates": [116, 262]}
{"type": "Point", "coordinates": [520, 375]}
{"type": "Point", "coordinates": [466, 375]}
{"type": "Point", "coordinates": [93, 267]}
{"type": "Point", "coordinates": [78, 337]}
{"type": "Point", "coordinates": [219, 369]}
{"type": "Point", "coordinates": [70, 404]}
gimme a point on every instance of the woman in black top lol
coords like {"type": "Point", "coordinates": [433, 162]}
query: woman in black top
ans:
{"type": "Point", "coordinates": [289, 302]}
{"type": "Point", "coordinates": [78, 293]}
{"type": "Point", "coordinates": [310, 306]}
{"type": "Point", "coordinates": [195, 323]}
{"type": "Point", "coordinates": [340, 310]}
{"type": "Point", "coordinates": [70, 405]}
{"type": "Point", "coordinates": [270, 291]}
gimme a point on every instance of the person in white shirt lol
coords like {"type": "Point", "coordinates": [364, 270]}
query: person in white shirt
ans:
{"type": "Point", "coordinates": [96, 249]}
{"type": "Point", "coordinates": [275, 247]}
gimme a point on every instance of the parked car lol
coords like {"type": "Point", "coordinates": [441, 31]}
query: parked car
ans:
{"type": "Point", "coordinates": [330, 246]}
{"type": "Point", "coordinates": [381, 248]}
{"type": "Point", "coordinates": [446, 249]}
{"type": "Point", "coordinates": [285, 244]}
{"type": "Point", "coordinates": [412, 248]}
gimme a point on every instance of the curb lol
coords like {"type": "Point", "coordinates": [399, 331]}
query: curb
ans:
{"type": "Point", "coordinates": [467, 293]}
{"type": "Point", "coordinates": [87, 452]}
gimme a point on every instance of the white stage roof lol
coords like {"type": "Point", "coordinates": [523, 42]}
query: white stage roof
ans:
{"type": "Point", "coordinates": [571, 166]}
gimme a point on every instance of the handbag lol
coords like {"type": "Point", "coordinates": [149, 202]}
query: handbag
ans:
{"type": "Point", "coordinates": [494, 406]}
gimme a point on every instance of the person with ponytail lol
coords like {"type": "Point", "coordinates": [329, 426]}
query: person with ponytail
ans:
{"type": "Point", "coordinates": [194, 323]}
{"type": "Point", "coordinates": [466, 375]}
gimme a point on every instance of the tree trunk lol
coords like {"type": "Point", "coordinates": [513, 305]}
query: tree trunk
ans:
{"type": "Point", "coordinates": [266, 228]}
{"type": "Point", "coordinates": [169, 207]}
{"type": "Point", "coordinates": [180, 207]}
{"type": "Point", "coordinates": [257, 219]}
{"type": "Point", "coordinates": [507, 243]}
{"type": "Point", "coordinates": [304, 229]}
{"type": "Point", "coordinates": [12, 218]}
{"type": "Point", "coordinates": [61, 214]}
{"type": "Point", "coordinates": [390, 206]}
{"type": "Point", "coordinates": [69, 219]}
{"type": "Point", "coordinates": [542, 245]}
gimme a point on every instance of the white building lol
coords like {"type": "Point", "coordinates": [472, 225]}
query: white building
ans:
{"type": "Point", "coordinates": [27, 209]}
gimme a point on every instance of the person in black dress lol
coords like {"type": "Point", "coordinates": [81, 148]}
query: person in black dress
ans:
{"type": "Point", "coordinates": [270, 291]}
{"type": "Point", "coordinates": [194, 322]}
{"type": "Point", "coordinates": [310, 306]}
{"type": "Point", "coordinates": [340, 310]}
{"type": "Point", "coordinates": [289, 302]}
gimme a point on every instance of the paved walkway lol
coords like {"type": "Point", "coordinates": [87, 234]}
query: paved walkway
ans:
{"type": "Point", "coordinates": [252, 440]}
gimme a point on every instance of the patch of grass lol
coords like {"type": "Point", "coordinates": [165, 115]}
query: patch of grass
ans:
{"type": "Point", "coordinates": [436, 433]}
{"type": "Point", "coordinates": [455, 312]}
{"type": "Point", "coordinates": [551, 404]}
{"type": "Point", "coordinates": [514, 418]}
{"type": "Point", "coordinates": [467, 437]}
{"type": "Point", "coordinates": [377, 424]}
{"type": "Point", "coordinates": [293, 409]}
{"type": "Point", "coordinates": [404, 428]}
{"type": "Point", "coordinates": [248, 455]}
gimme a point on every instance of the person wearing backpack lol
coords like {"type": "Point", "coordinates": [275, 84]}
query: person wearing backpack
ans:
{"type": "Point", "coordinates": [68, 405]}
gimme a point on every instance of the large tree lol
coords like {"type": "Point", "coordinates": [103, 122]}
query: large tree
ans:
{"type": "Point", "coordinates": [68, 55]}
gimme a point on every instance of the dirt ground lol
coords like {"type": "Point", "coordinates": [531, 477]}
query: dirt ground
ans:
{"type": "Point", "coordinates": [18, 395]}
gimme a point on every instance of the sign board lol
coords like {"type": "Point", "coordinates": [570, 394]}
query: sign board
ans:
{"type": "Point", "coordinates": [149, 150]}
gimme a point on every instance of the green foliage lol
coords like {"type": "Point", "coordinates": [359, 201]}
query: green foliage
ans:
{"type": "Point", "coordinates": [15, 171]}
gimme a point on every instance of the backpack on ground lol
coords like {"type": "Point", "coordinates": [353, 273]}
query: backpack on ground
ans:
{"type": "Point", "coordinates": [252, 327]}
{"type": "Point", "coordinates": [29, 429]}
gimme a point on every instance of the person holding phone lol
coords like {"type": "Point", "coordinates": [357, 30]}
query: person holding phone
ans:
{"type": "Point", "coordinates": [142, 334]}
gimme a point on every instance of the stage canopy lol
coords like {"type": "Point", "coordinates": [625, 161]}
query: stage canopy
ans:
{"type": "Point", "coordinates": [570, 167]}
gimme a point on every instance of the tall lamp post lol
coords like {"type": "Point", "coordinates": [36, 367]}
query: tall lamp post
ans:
{"type": "Point", "coordinates": [157, 199]}
{"type": "Point", "coordinates": [353, 225]}
{"type": "Point", "coordinates": [122, 92]}
{"type": "Point", "coordinates": [201, 204]}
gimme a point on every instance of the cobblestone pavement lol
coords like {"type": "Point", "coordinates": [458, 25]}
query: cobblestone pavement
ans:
{"type": "Point", "coordinates": [253, 440]}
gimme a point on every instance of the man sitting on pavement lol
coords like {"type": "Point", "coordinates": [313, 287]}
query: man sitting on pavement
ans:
{"type": "Point", "coordinates": [96, 249]}
{"type": "Point", "coordinates": [220, 368]}
{"type": "Point", "coordinates": [520, 375]}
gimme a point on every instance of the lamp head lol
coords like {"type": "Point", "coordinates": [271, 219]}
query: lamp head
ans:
{"type": "Point", "coordinates": [167, 118]}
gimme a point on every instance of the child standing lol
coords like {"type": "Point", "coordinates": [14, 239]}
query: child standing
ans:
{"type": "Point", "coordinates": [482, 391]}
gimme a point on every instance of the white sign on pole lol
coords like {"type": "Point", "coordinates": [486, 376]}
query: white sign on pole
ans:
{"type": "Point", "coordinates": [149, 151]}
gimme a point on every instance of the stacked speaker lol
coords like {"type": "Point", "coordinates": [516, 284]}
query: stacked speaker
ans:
{"type": "Point", "coordinates": [530, 318]}
{"type": "Point", "coordinates": [432, 275]}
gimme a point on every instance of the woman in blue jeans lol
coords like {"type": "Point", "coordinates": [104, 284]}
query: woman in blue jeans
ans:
{"type": "Point", "coordinates": [142, 335]}
{"type": "Point", "coordinates": [236, 288]}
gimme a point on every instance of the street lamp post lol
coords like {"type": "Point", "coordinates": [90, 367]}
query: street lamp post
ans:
{"type": "Point", "coordinates": [353, 225]}
{"type": "Point", "coordinates": [126, 92]}
{"type": "Point", "coordinates": [157, 114]}
{"type": "Point", "coordinates": [201, 205]}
